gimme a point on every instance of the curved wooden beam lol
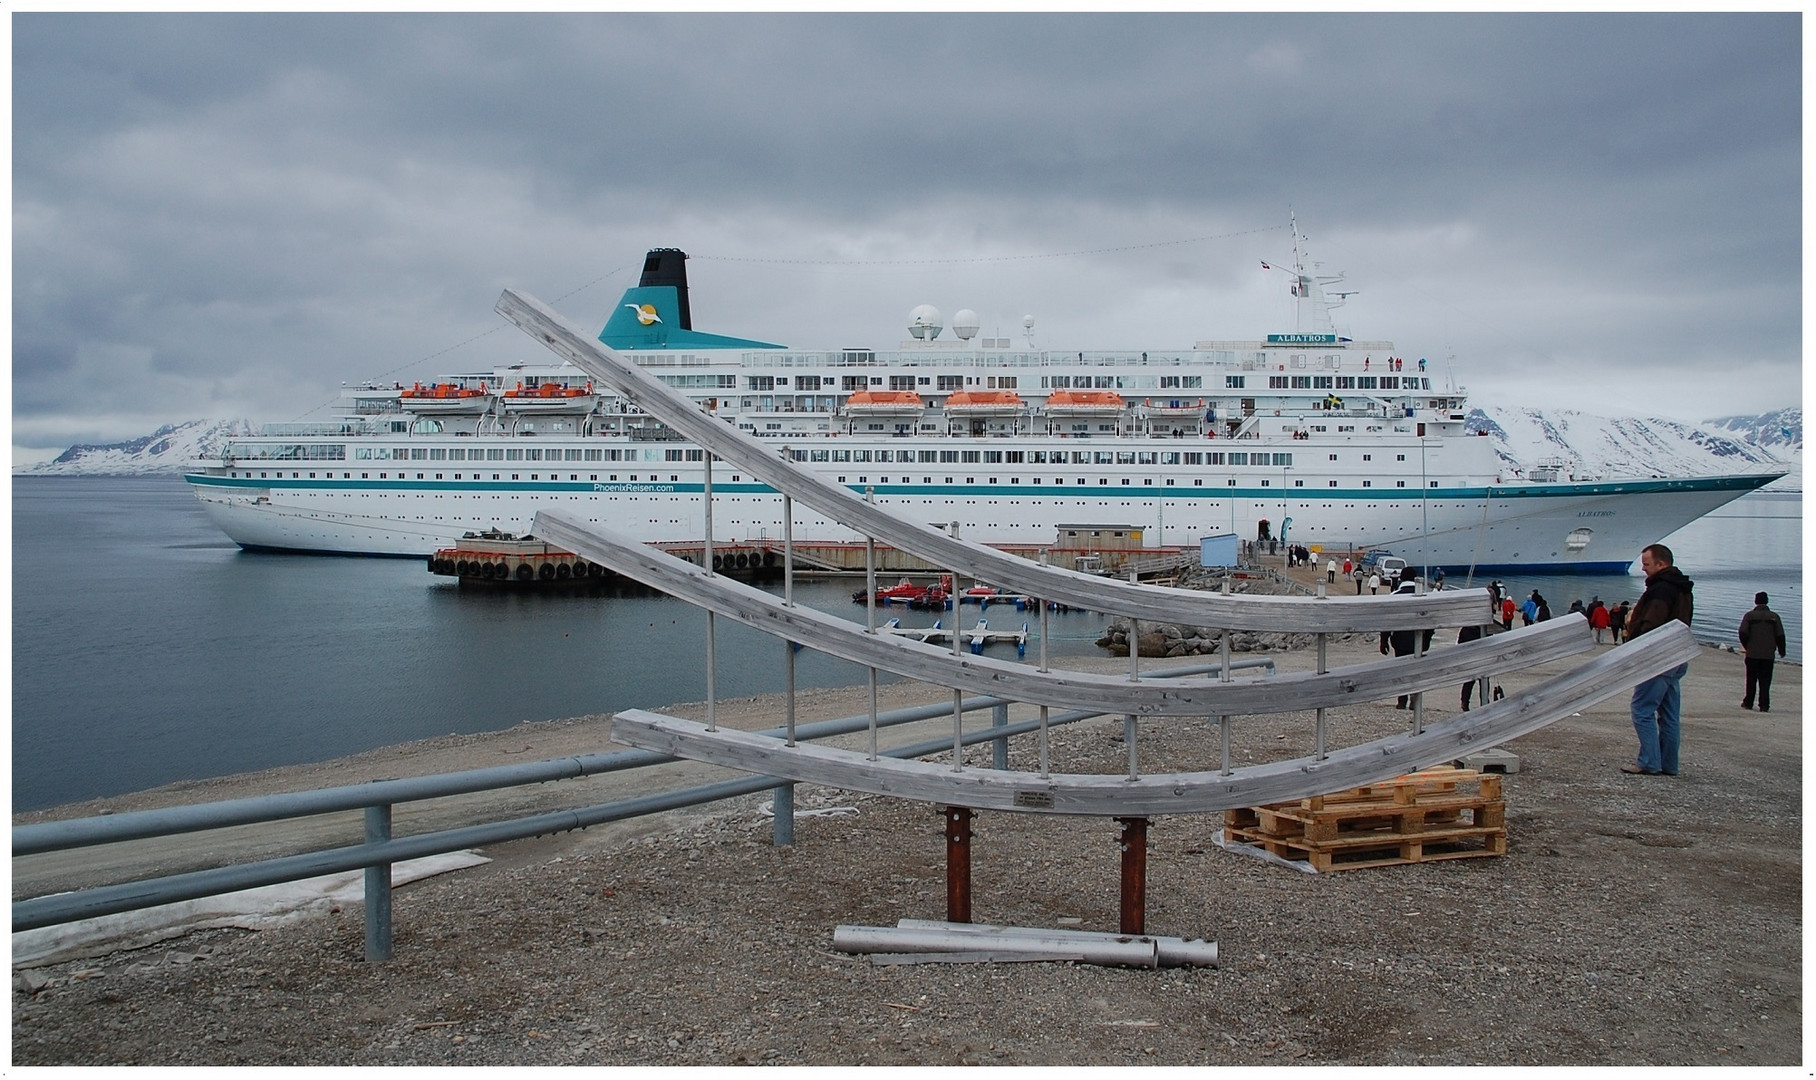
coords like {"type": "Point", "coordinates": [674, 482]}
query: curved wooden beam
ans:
{"type": "Point", "coordinates": [1450, 666]}
{"type": "Point", "coordinates": [1288, 614]}
{"type": "Point", "coordinates": [1169, 793]}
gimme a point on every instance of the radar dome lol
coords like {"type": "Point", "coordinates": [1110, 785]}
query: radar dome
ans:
{"type": "Point", "coordinates": [965, 324]}
{"type": "Point", "coordinates": [924, 322]}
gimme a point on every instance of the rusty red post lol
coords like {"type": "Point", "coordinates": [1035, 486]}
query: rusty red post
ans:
{"type": "Point", "coordinates": [1134, 874]}
{"type": "Point", "coordinates": [958, 864]}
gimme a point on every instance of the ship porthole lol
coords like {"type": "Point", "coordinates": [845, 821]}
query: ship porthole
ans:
{"type": "Point", "coordinates": [1578, 540]}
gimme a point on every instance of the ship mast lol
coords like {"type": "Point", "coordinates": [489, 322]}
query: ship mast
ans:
{"type": "Point", "coordinates": [1311, 311]}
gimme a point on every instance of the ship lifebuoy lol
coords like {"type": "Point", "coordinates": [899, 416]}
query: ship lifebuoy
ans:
{"type": "Point", "coordinates": [547, 573]}
{"type": "Point", "coordinates": [525, 572]}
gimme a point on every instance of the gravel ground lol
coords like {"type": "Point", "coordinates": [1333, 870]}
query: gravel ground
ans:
{"type": "Point", "coordinates": [1634, 921]}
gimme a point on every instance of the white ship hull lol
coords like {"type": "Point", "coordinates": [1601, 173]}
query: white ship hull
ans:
{"type": "Point", "coordinates": [1582, 527]}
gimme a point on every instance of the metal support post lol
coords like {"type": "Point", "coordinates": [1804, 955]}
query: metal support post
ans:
{"type": "Point", "coordinates": [378, 887]}
{"type": "Point", "coordinates": [706, 561]}
{"type": "Point", "coordinates": [999, 750]}
{"type": "Point", "coordinates": [958, 864]}
{"type": "Point", "coordinates": [785, 815]}
{"type": "Point", "coordinates": [1134, 846]}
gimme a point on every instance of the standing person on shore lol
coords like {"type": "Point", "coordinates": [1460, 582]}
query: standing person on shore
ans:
{"type": "Point", "coordinates": [1330, 571]}
{"type": "Point", "coordinates": [1761, 634]}
{"type": "Point", "coordinates": [1658, 702]}
{"type": "Point", "coordinates": [1374, 583]}
{"type": "Point", "coordinates": [1508, 607]}
{"type": "Point", "coordinates": [1617, 622]}
{"type": "Point", "coordinates": [1599, 618]}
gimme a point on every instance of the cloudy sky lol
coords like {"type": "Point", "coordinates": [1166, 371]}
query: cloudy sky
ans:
{"type": "Point", "coordinates": [230, 215]}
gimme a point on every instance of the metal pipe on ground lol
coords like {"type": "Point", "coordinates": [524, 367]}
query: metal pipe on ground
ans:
{"type": "Point", "coordinates": [1125, 952]}
{"type": "Point", "coordinates": [1174, 951]}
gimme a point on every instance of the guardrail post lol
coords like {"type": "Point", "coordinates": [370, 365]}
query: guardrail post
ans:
{"type": "Point", "coordinates": [378, 887]}
{"type": "Point", "coordinates": [999, 750]}
{"type": "Point", "coordinates": [785, 815]}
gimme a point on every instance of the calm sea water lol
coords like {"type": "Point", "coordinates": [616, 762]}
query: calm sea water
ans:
{"type": "Point", "coordinates": [147, 648]}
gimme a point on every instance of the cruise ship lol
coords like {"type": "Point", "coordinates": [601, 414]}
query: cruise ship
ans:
{"type": "Point", "coordinates": [1307, 437]}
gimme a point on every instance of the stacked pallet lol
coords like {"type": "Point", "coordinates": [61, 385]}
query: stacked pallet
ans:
{"type": "Point", "coordinates": [1442, 813]}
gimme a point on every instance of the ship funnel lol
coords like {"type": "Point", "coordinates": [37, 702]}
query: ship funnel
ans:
{"type": "Point", "coordinates": [668, 266]}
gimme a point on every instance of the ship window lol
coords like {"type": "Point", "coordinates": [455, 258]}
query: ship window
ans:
{"type": "Point", "coordinates": [1399, 457]}
{"type": "Point", "coordinates": [1399, 483]}
{"type": "Point", "coordinates": [1368, 483]}
{"type": "Point", "coordinates": [1298, 483]}
{"type": "Point", "coordinates": [1104, 481]}
{"type": "Point", "coordinates": [1333, 483]}
{"type": "Point", "coordinates": [1194, 458]}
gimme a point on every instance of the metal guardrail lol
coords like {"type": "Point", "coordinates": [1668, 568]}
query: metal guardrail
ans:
{"type": "Point", "coordinates": [381, 849]}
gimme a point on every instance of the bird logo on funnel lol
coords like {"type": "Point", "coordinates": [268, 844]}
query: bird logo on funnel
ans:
{"type": "Point", "coordinates": [646, 313]}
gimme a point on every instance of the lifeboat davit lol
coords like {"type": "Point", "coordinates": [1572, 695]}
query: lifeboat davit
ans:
{"type": "Point", "coordinates": [885, 403]}
{"type": "Point", "coordinates": [1084, 402]}
{"type": "Point", "coordinates": [984, 403]}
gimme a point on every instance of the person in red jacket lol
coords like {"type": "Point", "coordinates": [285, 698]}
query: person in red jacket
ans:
{"type": "Point", "coordinates": [1508, 607]}
{"type": "Point", "coordinates": [1598, 618]}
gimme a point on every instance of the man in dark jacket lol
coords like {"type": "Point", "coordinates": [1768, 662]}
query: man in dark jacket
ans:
{"type": "Point", "coordinates": [1761, 634]}
{"type": "Point", "coordinates": [1404, 642]}
{"type": "Point", "coordinates": [1657, 702]}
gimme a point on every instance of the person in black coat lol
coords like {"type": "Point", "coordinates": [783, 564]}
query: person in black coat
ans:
{"type": "Point", "coordinates": [1403, 642]}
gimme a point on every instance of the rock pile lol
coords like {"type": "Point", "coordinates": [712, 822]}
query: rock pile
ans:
{"type": "Point", "coordinates": [1163, 640]}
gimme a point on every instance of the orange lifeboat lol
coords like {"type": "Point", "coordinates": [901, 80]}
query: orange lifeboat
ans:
{"type": "Point", "coordinates": [880, 402]}
{"type": "Point", "coordinates": [1074, 402]}
{"type": "Point", "coordinates": [550, 397]}
{"type": "Point", "coordinates": [445, 398]}
{"type": "Point", "coordinates": [984, 403]}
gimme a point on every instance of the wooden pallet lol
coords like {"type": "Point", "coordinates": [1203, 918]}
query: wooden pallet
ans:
{"type": "Point", "coordinates": [1425, 816]}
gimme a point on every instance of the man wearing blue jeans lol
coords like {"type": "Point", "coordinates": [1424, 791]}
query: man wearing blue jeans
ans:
{"type": "Point", "coordinates": [1658, 702]}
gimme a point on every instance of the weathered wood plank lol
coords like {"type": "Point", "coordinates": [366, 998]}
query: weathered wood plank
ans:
{"type": "Point", "coordinates": [1150, 603]}
{"type": "Point", "coordinates": [1201, 696]}
{"type": "Point", "coordinates": [1170, 793]}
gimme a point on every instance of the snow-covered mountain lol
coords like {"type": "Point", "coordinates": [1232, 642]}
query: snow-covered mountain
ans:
{"type": "Point", "coordinates": [164, 450]}
{"type": "Point", "coordinates": [1586, 445]}
{"type": "Point", "coordinates": [1583, 444]}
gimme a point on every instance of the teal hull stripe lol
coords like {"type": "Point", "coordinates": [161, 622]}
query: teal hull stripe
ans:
{"type": "Point", "coordinates": [661, 487]}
